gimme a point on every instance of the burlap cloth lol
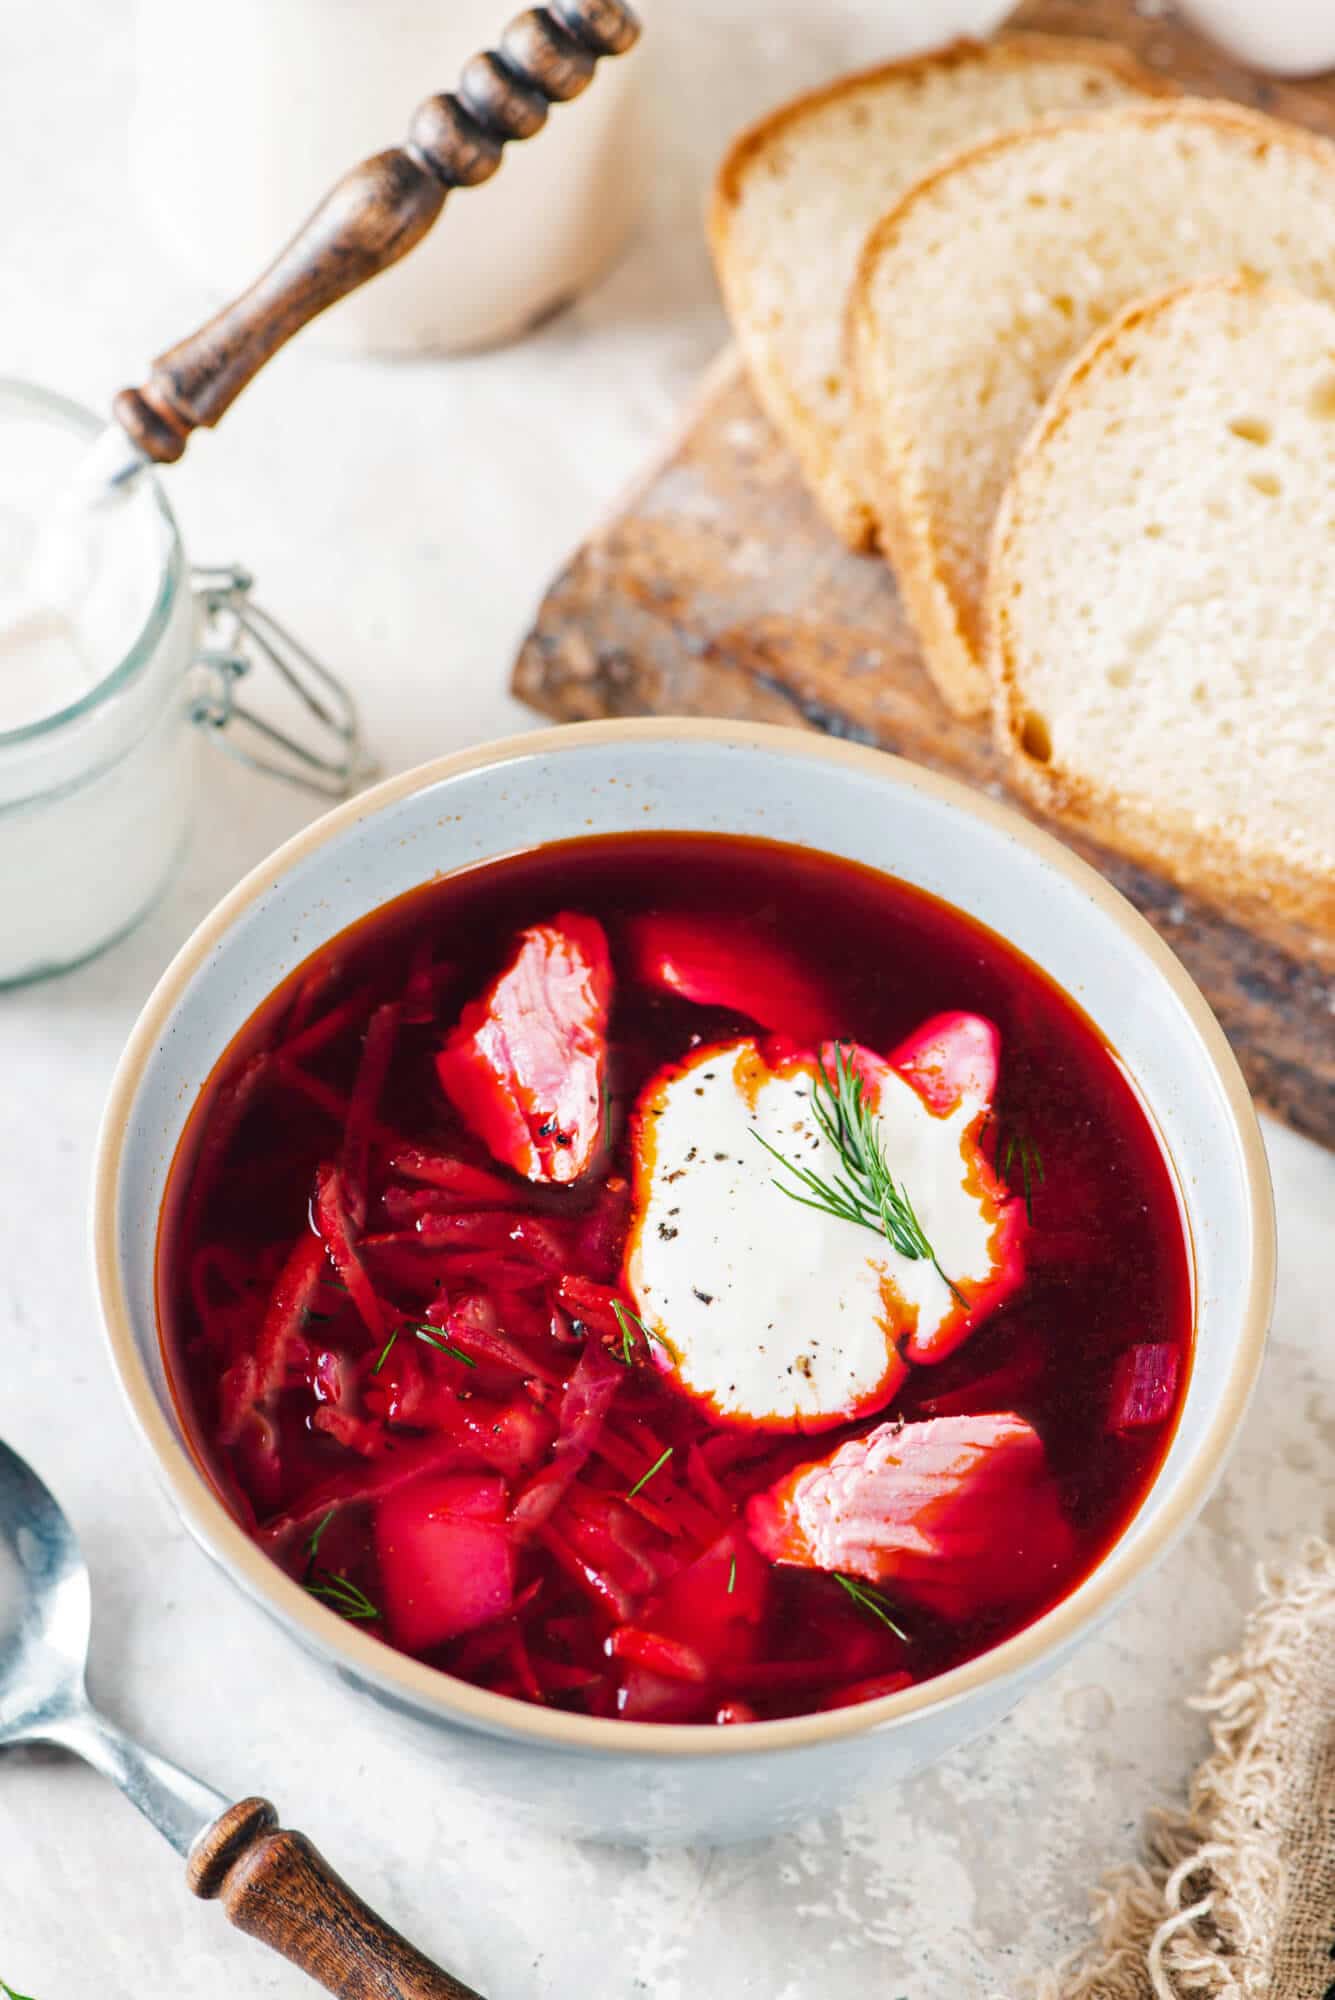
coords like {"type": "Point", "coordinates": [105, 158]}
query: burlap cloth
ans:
{"type": "Point", "coordinates": [1235, 1898]}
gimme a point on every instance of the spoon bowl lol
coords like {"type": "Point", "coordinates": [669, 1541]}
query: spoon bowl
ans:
{"type": "Point", "coordinates": [45, 1626]}
{"type": "Point", "coordinates": [272, 1884]}
{"type": "Point", "coordinates": [45, 1607]}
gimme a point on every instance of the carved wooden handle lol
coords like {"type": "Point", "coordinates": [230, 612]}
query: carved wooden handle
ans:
{"type": "Point", "coordinates": [276, 1887]}
{"type": "Point", "coordinates": [377, 213]}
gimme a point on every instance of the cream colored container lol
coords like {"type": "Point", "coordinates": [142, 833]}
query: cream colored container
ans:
{"type": "Point", "coordinates": [1287, 37]}
{"type": "Point", "coordinates": [285, 95]}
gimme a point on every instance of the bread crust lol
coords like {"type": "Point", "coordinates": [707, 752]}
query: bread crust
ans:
{"type": "Point", "coordinates": [953, 640]}
{"type": "Point", "coordinates": [1261, 883]}
{"type": "Point", "coordinates": [848, 512]}
{"type": "Point", "coordinates": [903, 532]}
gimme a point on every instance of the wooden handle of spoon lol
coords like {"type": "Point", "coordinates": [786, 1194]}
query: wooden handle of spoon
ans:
{"type": "Point", "coordinates": [276, 1887]}
{"type": "Point", "coordinates": [377, 213]}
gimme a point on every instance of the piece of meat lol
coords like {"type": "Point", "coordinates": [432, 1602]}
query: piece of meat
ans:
{"type": "Point", "coordinates": [526, 1065]}
{"type": "Point", "coordinates": [1144, 1387]}
{"type": "Point", "coordinates": [961, 1514]}
{"type": "Point", "coordinates": [716, 964]}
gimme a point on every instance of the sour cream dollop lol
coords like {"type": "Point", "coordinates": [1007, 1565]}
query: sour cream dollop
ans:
{"type": "Point", "coordinates": [779, 1314]}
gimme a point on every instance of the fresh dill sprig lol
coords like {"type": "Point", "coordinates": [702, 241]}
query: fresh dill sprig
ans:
{"type": "Point", "coordinates": [1018, 1145]}
{"type": "Point", "coordinates": [317, 1534]}
{"type": "Point", "coordinates": [868, 1599]}
{"type": "Point", "coordinates": [657, 1466]}
{"type": "Point", "coordinates": [313, 1546]}
{"type": "Point", "coordinates": [866, 1192]}
{"type": "Point", "coordinates": [347, 1598]}
{"type": "Point", "coordinates": [631, 1324]}
{"type": "Point", "coordinates": [423, 1330]}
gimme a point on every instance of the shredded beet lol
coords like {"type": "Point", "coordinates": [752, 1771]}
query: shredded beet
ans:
{"type": "Point", "coordinates": [227, 1115]}
{"type": "Point", "coordinates": [395, 1292]}
{"type": "Point", "coordinates": [456, 1182]}
{"type": "Point", "coordinates": [870, 1690]}
{"type": "Point", "coordinates": [377, 1049]}
{"type": "Point", "coordinates": [1144, 1387]}
{"type": "Point", "coordinates": [255, 1379]}
{"type": "Point", "coordinates": [584, 1406]}
{"type": "Point", "coordinates": [670, 1657]}
{"type": "Point", "coordinates": [335, 1224]}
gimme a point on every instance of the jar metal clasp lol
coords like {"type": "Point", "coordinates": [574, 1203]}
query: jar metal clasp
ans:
{"type": "Point", "coordinates": [315, 738]}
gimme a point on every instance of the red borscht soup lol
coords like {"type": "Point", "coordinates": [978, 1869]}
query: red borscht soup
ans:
{"type": "Point", "coordinates": [676, 1277]}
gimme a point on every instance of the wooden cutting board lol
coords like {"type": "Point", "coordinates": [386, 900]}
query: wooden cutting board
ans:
{"type": "Point", "coordinates": [717, 589]}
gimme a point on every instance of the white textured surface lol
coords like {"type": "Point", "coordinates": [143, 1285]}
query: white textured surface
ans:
{"type": "Point", "coordinates": [405, 518]}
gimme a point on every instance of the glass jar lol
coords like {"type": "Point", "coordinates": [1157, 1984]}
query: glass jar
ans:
{"type": "Point", "coordinates": [96, 796]}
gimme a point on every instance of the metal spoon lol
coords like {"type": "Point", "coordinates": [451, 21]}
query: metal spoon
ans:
{"type": "Point", "coordinates": [272, 1883]}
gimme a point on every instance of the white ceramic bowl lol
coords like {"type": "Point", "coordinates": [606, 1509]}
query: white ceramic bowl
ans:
{"type": "Point", "coordinates": [653, 1782]}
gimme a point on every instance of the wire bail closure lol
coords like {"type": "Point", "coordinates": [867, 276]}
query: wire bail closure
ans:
{"type": "Point", "coordinates": [236, 635]}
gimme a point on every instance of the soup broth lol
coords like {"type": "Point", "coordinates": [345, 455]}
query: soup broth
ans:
{"type": "Point", "coordinates": [676, 1277]}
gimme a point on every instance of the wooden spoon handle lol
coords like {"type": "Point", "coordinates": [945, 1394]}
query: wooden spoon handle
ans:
{"type": "Point", "coordinates": [276, 1887]}
{"type": "Point", "coordinates": [377, 212]}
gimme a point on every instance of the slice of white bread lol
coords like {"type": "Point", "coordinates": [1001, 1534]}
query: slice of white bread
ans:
{"type": "Point", "coordinates": [1161, 616]}
{"type": "Point", "coordinates": [797, 193]}
{"type": "Point", "coordinates": [975, 292]}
